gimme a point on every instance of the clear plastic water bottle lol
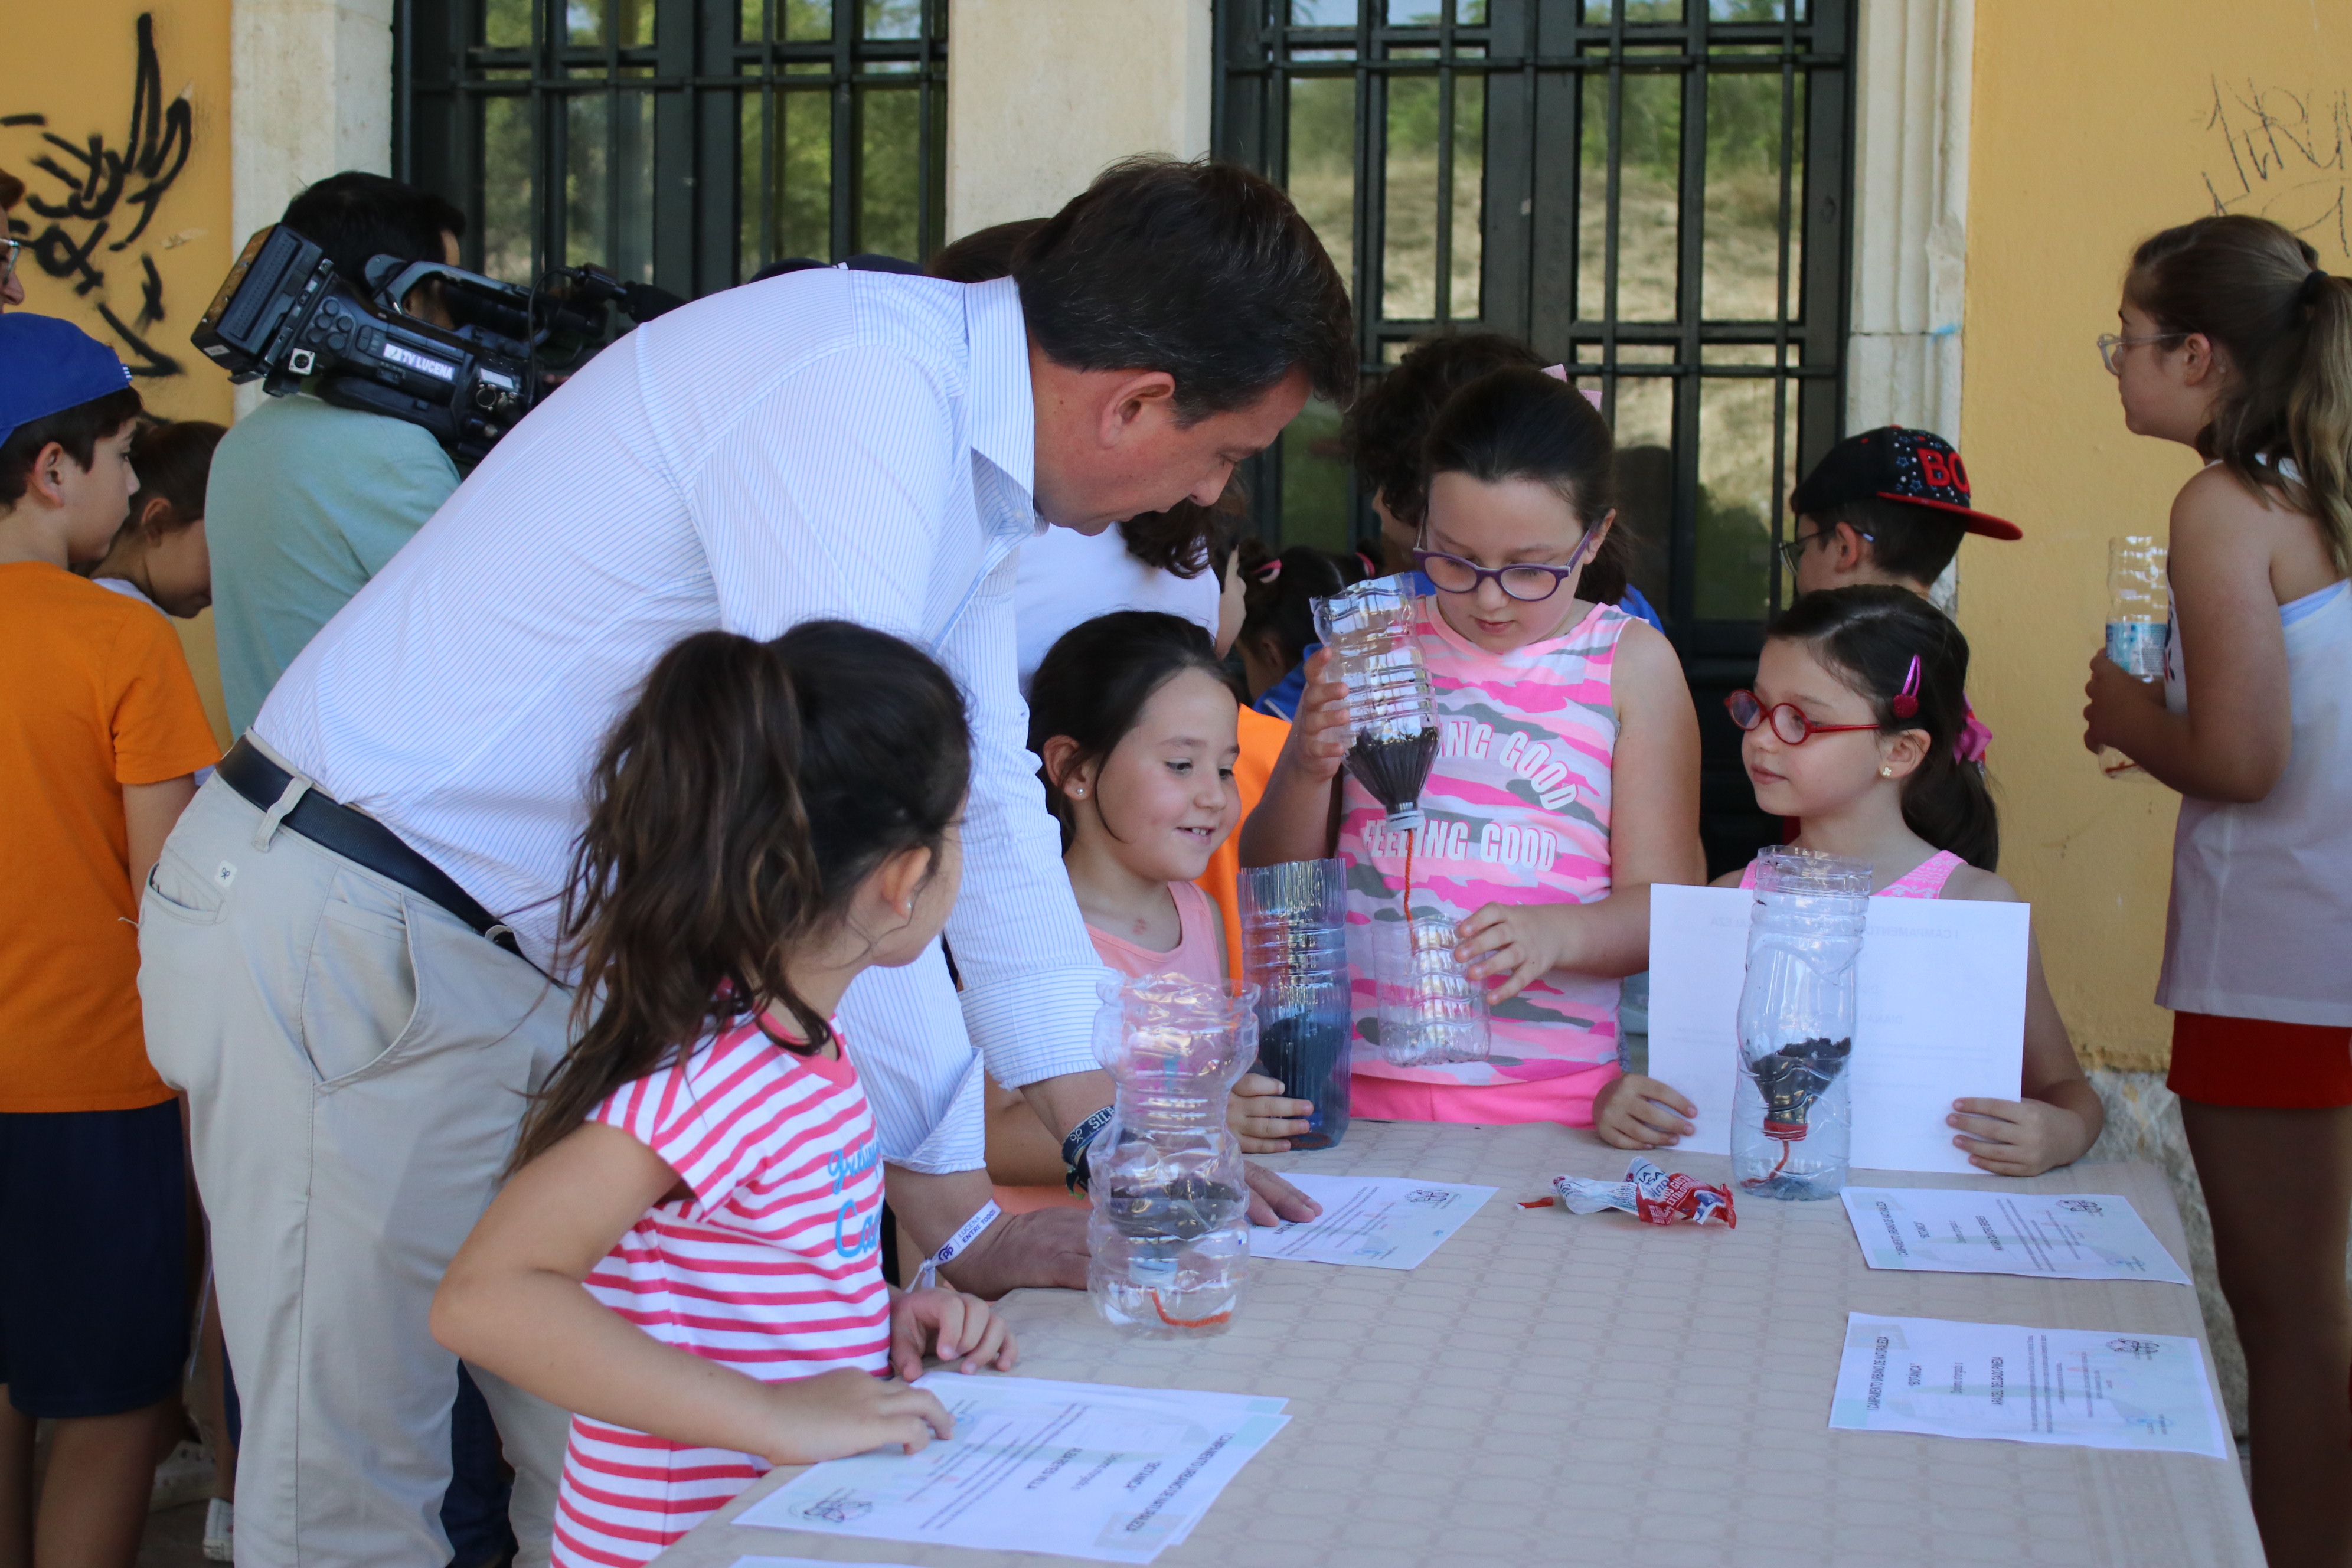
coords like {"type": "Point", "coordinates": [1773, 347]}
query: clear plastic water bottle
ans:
{"type": "Point", "coordinates": [1792, 1113]}
{"type": "Point", "coordinates": [1370, 630]}
{"type": "Point", "coordinates": [1430, 1010]}
{"type": "Point", "coordinates": [1170, 1231]}
{"type": "Point", "coordinates": [2139, 623]}
{"type": "Point", "coordinates": [1295, 952]}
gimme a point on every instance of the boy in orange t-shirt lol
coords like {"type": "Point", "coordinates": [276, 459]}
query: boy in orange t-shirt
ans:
{"type": "Point", "coordinates": [98, 736]}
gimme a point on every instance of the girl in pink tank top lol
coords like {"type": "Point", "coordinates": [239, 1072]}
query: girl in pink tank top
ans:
{"type": "Point", "coordinates": [1850, 731]}
{"type": "Point", "coordinates": [1566, 779]}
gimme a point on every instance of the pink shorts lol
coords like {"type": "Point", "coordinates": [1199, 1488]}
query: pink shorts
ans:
{"type": "Point", "coordinates": [1567, 1099]}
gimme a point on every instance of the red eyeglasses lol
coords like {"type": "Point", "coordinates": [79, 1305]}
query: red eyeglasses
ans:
{"type": "Point", "coordinates": [1789, 721]}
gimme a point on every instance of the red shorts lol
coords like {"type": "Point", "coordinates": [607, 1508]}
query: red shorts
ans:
{"type": "Point", "coordinates": [2259, 1062]}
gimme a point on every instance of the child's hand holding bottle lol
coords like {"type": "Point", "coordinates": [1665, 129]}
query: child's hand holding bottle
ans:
{"type": "Point", "coordinates": [1322, 734]}
{"type": "Point", "coordinates": [1262, 1118]}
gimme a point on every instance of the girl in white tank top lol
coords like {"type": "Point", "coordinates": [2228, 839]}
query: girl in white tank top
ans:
{"type": "Point", "coordinates": [2235, 343]}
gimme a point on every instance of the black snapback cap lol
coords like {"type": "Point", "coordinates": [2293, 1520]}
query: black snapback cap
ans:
{"type": "Point", "coordinates": [1918, 468]}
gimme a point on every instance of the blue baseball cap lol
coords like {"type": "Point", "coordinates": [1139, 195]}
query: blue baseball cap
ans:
{"type": "Point", "coordinates": [47, 366]}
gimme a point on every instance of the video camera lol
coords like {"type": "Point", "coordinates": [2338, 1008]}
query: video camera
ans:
{"type": "Point", "coordinates": [284, 313]}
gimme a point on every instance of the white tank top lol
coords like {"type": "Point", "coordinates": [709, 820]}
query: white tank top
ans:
{"type": "Point", "coordinates": [2261, 919]}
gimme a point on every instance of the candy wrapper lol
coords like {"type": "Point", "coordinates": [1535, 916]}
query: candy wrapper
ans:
{"type": "Point", "coordinates": [1658, 1197]}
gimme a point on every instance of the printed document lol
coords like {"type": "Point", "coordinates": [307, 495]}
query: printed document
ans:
{"type": "Point", "coordinates": [1381, 1222]}
{"type": "Point", "coordinates": [2083, 1387]}
{"type": "Point", "coordinates": [1940, 1014]}
{"type": "Point", "coordinates": [2057, 1235]}
{"type": "Point", "coordinates": [1079, 1470]}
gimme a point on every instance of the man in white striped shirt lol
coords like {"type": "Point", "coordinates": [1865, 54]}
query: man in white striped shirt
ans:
{"type": "Point", "coordinates": [875, 447]}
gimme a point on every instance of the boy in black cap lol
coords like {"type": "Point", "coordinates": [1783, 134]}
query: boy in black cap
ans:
{"type": "Point", "coordinates": [98, 736]}
{"type": "Point", "coordinates": [1890, 505]}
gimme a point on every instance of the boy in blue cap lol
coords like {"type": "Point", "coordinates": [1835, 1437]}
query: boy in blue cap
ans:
{"type": "Point", "coordinates": [98, 736]}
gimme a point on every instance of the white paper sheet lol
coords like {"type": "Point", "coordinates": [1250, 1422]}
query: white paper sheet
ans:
{"type": "Point", "coordinates": [1381, 1221]}
{"type": "Point", "coordinates": [2058, 1235]}
{"type": "Point", "coordinates": [1939, 1013]}
{"type": "Point", "coordinates": [2083, 1387]}
{"type": "Point", "coordinates": [803, 1562]}
{"type": "Point", "coordinates": [1078, 1470]}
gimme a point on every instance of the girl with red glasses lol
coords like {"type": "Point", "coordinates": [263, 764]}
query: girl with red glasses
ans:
{"type": "Point", "coordinates": [1850, 731]}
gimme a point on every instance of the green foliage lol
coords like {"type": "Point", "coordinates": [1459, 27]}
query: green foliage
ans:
{"type": "Point", "coordinates": [1735, 561]}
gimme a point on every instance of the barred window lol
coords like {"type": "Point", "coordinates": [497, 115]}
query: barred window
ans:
{"type": "Point", "coordinates": [1651, 192]}
{"type": "Point", "coordinates": [685, 143]}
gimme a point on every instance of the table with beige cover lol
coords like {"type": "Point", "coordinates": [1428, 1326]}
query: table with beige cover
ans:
{"type": "Point", "coordinates": [1551, 1388]}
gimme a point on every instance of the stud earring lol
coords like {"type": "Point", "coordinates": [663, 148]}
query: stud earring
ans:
{"type": "Point", "coordinates": [1079, 792]}
{"type": "Point", "coordinates": [1884, 771]}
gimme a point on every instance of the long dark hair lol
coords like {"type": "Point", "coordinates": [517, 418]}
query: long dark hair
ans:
{"type": "Point", "coordinates": [734, 811]}
{"type": "Point", "coordinates": [2256, 289]}
{"type": "Point", "coordinates": [1868, 635]}
{"type": "Point", "coordinates": [1095, 679]}
{"type": "Point", "coordinates": [1279, 594]}
{"type": "Point", "coordinates": [1520, 423]}
{"type": "Point", "coordinates": [1388, 423]}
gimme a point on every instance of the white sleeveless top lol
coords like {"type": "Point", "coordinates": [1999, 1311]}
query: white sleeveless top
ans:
{"type": "Point", "coordinates": [2260, 918]}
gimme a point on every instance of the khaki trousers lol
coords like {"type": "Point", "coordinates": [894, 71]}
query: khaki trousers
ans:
{"type": "Point", "coordinates": [356, 1062]}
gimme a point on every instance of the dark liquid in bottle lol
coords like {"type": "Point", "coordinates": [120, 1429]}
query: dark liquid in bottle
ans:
{"type": "Point", "coordinates": [1184, 1210]}
{"type": "Point", "coordinates": [1394, 771]}
{"type": "Point", "coordinates": [1310, 1056]}
{"type": "Point", "coordinates": [1795, 1076]}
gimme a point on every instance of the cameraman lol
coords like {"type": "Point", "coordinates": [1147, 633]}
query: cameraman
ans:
{"type": "Point", "coordinates": [308, 501]}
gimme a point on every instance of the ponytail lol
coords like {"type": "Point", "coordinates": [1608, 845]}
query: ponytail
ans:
{"type": "Point", "coordinates": [1870, 636]}
{"type": "Point", "coordinates": [733, 814]}
{"type": "Point", "coordinates": [2258, 291]}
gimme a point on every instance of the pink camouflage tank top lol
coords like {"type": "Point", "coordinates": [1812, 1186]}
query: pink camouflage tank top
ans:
{"type": "Point", "coordinates": [1516, 811]}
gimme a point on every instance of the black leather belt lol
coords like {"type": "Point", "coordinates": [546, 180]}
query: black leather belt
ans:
{"type": "Point", "coordinates": [357, 837]}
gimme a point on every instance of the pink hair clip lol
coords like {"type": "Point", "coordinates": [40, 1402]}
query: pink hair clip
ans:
{"type": "Point", "coordinates": [1269, 572]}
{"type": "Point", "coordinates": [1906, 701]}
{"type": "Point", "coordinates": [1560, 373]}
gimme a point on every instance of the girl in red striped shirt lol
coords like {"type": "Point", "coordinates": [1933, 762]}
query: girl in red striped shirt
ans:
{"type": "Point", "coordinates": [769, 820]}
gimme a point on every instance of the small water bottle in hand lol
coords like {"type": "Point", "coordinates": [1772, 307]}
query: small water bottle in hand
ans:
{"type": "Point", "coordinates": [2139, 623]}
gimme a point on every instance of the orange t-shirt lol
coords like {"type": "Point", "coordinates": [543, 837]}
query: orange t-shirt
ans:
{"type": "Point", "coordinates": [98, 696]}
{"type": "Point", "coordinates": [1262, 736]}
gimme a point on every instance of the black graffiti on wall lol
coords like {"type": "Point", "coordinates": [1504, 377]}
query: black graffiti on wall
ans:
{"type": "Point", "coordinates": [2287, 159]}
{"type": "Point", "coordinates": [99, 188]}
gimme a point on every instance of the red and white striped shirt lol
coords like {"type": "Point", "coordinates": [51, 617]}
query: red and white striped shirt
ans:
{"type": "Point", "coordinates": [772, 1268]}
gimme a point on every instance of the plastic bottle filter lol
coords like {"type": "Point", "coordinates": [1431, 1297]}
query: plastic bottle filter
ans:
{"type": "Point", "coordinates": [1791, 1117]}
{"type": "Point", "coordinates": [2139, 622]}
{"type": "Point", "coordinates": [1295, 952]}
{"type": "Point", "coordinates": [1370, 630]}
{"type": "Point", "coordinates": [1431, 1012]}
{"type": "Point", "coordinates": [1169, 1230]}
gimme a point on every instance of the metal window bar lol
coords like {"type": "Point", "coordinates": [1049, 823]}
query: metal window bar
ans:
{"type": "Point", "coordinates": [700, 68]}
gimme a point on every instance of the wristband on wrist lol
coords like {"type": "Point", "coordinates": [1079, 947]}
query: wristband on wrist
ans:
{"type": "Point", "coordinates": [929, 1274]}
{"type": "Point", "coordinates": [1076, 1149]}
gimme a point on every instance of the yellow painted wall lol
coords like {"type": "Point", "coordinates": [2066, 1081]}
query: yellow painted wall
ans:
{"type": "Point", "coordinates": [72, 72]}
{"type": "Point", "coordinates": [2095, 122]}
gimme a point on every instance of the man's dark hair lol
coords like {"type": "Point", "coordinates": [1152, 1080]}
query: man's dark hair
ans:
{"type": "Point", "coordinates": [1202, 269]}
{"type": "Point", "coordinates": [1915, 542]}
{"type": "Point", "coordinates": [78, 429]}
{"type": "Point", "coordinates": [353, 217]}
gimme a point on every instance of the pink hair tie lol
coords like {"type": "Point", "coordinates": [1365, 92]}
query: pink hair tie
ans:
{"type": "Point", "coordinates": [1269, 572]}
{"type": "Point", "coordinates": [1906, 701]}
{"type": "Point", "coordinates": [1969, 744]}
